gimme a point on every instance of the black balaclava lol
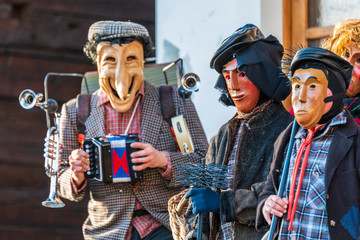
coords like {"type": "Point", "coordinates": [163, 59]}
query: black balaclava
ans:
{"type": "Point", "coordinates": [337, 71]}
{"type": "Point", "coordinates": [259, 58]}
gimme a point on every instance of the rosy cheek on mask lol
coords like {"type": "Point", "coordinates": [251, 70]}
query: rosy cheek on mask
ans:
{"type": "Point", "coordinates": [328, 105]}
{"type": "Point", "coordinates": [356, 72]}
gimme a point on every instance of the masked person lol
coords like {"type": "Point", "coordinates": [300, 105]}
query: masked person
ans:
{"type": "Point", "coordinates": [126, 210]}
{"type": "Point", "coordinates": [345, 42]}
{"type": "Point", "coordinates": [322, 189]}
{"type": "Point", "coordinates": [251, 80]}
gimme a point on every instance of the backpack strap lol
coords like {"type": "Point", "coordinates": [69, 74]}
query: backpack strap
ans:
{"type": "Point", "coordinates": [167, 102]}
{"type": "Point", "coordinates": [168, 108]}
{"type": "Point", "coordinates": [83, 111]}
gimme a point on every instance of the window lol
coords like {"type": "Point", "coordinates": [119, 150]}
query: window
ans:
{"type": "Point", "coordinates": [308, 22]}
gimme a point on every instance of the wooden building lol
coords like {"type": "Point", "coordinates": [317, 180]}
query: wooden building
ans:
{"type": "Point", "coordinates": [37, 37]}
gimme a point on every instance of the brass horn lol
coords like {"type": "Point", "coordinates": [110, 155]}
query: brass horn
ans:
{"type": "Point", "coordinates": [190, 82]}
{"type": "Point", "coordinates": [28, 99]}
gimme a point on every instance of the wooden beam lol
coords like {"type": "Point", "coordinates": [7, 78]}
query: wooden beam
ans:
{"type": "Point", "coordinates": [299, 9]}
{"type": "Point", "coordinates": [286, 10]}
{"type": "Point", "coordinates": [318, 32]}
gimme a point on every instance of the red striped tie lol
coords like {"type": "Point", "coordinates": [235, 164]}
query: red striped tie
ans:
{"type": "Point", "coordinates": [293, 202]}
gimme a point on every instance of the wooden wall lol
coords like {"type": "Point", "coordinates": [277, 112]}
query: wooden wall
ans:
{"type": "Point", "coordinates": [37, 37]}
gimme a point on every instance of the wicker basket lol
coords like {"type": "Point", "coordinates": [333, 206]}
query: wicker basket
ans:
{"type": "Point", "coordinates": [177, 207]}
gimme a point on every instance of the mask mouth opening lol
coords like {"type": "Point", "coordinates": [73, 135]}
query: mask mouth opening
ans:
{"type": "Point", "coordinates": [114, 90]}
{"type": "Point", "coordinates": [131, 85]}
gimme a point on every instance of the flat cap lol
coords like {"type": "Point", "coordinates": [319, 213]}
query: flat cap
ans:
{"type": "Point", "coordinates": [107, 30]}
{"type": "Point", "coordinates": [342, 67]}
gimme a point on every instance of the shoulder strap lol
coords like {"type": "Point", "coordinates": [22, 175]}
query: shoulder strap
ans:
{"type": "Point", "coordinates": [167, 102]}
{"type": "Point", "coordinates": [83, 111]}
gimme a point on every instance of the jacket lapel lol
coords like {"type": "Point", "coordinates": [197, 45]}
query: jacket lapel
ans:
{"type": "Point", "coordinates": [339, 147]}
{"type": "Point", "coordinates": [95, 125]}
{"type": "Point", "coordinates": [151, 115]}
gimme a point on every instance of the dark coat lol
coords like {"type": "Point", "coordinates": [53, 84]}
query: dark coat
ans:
{"type": "Point", "coordinates": [342, 182]}
{"type": "Point", "coordinates": [253, 159]}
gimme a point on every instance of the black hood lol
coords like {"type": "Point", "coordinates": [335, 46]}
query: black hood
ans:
{"type": "Point", "coordinates": [258, 56]}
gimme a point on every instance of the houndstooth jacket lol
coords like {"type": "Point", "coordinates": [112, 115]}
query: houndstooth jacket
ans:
{"type": "Point", "coordinates": [110, 207]}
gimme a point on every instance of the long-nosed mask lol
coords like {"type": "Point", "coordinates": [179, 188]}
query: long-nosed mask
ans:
{"type": "Point", "coordinates": [120, 70]}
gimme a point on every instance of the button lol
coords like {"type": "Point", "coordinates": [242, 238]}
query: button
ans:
{"type": "Point", "coordinates": [332, 223]}
{"type": "Point", "coordinates": [129, 214]}
{"type": "Point", "coordinates": [136, 190]}
{"type": "Point", "coordinates": [327, 196]}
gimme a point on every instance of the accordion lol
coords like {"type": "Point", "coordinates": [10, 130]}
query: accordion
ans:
{"type": "Point", "coordinates": [110, 160]}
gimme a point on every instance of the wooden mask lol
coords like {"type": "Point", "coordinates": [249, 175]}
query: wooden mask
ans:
{"type": "Point", "coordinates": [120, 70]}
{"type": "Point", "coordinates": [309, 89]}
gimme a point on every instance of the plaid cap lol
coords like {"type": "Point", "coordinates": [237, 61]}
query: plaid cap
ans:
{"type": "Point", "coordinates": [106, 30]}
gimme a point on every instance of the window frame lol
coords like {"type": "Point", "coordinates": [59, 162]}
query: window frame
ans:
{"type": "Point", "coordinates": [295, 25]}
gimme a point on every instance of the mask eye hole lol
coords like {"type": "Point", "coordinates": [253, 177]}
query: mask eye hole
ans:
{"type": "Point", "coordinates": [312, 86]}
{"type": "Point", "coordinates": [242, 74]}
{"type": "Point", "coordinates": [357, 61]}
{"type": "Point", "coordinates": [131, 58]}
{"type": "Point", "coordinates": [110, 59]}
{"type": "Point", "coordinates": [296, 86]}
{"type": "Point", "coordinates": [346, 55]}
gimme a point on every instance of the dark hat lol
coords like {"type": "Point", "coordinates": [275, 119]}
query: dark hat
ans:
{"type": "Point", "coordinates": [240, 39]}
{"type": "Point", "coordinates": [107, 30]}
{"type": "Point", "coordinates": [326, 57]}
{"type": "Point", "coordinates": [258, 57]}
{"type": "Point", "coordinates": [337, 70]}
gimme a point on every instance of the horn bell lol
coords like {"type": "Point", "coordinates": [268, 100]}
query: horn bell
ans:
{"type": "Point", "coordinates": [27, 99]}
{"type": "Point", "coordinates": [190, 82]}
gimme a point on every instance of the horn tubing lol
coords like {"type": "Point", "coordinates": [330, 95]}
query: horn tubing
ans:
{"type": "Point", "coordinates": [46, 91]}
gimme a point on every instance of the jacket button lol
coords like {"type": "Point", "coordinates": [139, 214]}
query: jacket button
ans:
{"type": "Point", "coordinates": [129, 214]}
{"type": "Point", "coordinates": [332, 223]}
{"type": "Point", "coordinates": [327, 196]}
{"type": "Point", "coordinates": [136, 190]}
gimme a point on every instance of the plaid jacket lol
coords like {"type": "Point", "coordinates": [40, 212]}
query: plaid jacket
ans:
{"type": "Point", "coordinates": [111, 206]}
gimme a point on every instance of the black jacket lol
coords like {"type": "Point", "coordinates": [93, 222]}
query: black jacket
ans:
{"type": "Point", "coordinates": [342, 181]}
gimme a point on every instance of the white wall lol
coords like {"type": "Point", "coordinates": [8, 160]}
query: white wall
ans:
{"type": "Point", "coordinates": [193, 30]}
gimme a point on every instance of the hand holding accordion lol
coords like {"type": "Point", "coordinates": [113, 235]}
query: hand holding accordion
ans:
{"type": "Point", "coordinates": [110, 160]}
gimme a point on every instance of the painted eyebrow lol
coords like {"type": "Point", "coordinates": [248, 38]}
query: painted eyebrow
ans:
{"type": "Point", "coordinates": [312, 77]}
